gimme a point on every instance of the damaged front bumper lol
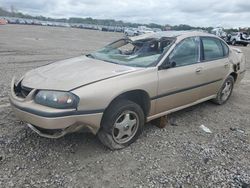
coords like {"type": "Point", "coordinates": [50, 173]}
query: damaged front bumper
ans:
{"type": "Point", "coordinates": [50, 122]}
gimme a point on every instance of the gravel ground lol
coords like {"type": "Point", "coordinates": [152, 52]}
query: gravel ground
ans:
{"type": "Point", "coordinates": [179, 155]}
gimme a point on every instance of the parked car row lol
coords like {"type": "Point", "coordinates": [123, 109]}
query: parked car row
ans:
{"type": "Point", "coordinates": [111, 28]}
{"type": "Point", "coordinates": [13, 20]}
{"type": "Point", "coordinates": [128, 31]}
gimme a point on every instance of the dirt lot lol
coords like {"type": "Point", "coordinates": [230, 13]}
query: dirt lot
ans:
{"type": "Point", "coordinates": [180, 155]}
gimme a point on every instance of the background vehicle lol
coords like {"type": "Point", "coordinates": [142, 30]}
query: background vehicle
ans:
{"type": "Point", "coordinates": [139, 31]}
{"type": "Point", "coordinates": [219, 32]}
{"type": "Point", "coordinates": [3, 21]}
{"type": "Point", "coordinates": [156, 29]}
{"type": "Point", "coordinates": [131, 32]}
{"type": "Point", "coordinates": [144, 30]}
{"type": "Point", "coordinates": [241, 38]}
{"type": "Point", "coordinates": [132, 81]}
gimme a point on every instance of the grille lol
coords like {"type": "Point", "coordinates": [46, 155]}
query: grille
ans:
{"type": "Point", "coordinates": [22, 91]}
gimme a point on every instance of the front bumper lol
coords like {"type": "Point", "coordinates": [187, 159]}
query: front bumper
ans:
{"type": "Point", "coordinates": [67, 120]}
{"type": "Point", "coordinates": [244, 41]}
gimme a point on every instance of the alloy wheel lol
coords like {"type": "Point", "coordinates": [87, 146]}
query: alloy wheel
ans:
{"type": "Point", "coordinates": [226, 91]}
{"type": "Point", "coordinates": [125, 127]}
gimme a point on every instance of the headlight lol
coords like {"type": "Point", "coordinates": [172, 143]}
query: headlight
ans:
{"type": "Point", "coordinates": [57, 99]}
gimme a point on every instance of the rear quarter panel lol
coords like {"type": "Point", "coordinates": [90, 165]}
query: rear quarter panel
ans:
{"type": "Point", "coordinates": [237, 57]}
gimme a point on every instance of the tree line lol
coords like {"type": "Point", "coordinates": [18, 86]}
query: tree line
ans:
{"type": "Point", "coordinates": [105, 22]}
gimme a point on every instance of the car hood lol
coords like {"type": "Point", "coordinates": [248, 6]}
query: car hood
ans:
{"type": "Point", "coordinates": [72, 73]}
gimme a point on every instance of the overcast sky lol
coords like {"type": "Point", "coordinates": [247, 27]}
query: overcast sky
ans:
{"type": "Point", "coordinates": [226, 13]}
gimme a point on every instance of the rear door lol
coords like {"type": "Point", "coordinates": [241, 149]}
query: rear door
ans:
{"type": "Point", "coordinates": [214, 65]}
{"type": "Point", "coordinates": [179, 85]}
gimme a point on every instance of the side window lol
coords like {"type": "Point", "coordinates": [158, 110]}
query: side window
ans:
{"type": "Point", "coordinates": [225, 48]}
{"type": "Point", "coordinates": [212, 48]}
{"type": "Point", "coordinates": [185, 53]}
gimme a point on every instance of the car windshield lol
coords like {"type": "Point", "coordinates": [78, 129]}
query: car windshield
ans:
{"type": "Point", "coordinates": [141, 53]}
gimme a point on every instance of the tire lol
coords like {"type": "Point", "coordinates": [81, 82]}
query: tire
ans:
{"type": "Point", "coordinates": [121, 125]}
{"type": "Point", "coordinates": [245, 44]}
{"type": "Point", "coordinates": [223, 95]}
{"type": "Point", "coordinates": [234, 42]}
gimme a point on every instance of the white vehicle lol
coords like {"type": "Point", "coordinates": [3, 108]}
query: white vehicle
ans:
{"type": "Point", "coordinates": [157, 30]}
{"type": "Point", "coordinates": [239, 38]}
{"type": "Point", "coordinates": [144, 30]}
{"type": "Point", "coordinates": [131, 32]}
{"type": "Point", "coordinates": [218, 31]}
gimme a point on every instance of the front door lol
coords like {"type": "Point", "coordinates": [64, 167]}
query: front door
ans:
{"type": "Point", "coordinates": [180, 85]}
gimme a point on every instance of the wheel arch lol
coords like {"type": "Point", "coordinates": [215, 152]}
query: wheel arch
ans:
{"type": "Point", "coordinates": [138, 96]}
{"type": "Point", "coordinates": [234, 75]}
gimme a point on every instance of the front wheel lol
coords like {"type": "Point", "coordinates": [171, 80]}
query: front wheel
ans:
{"type": "Point", "coordinates": [234, 42]}
{"type": "Point", "coordinates": [122, 124]}
{"type": "Point", "coordinates": [225, 91]}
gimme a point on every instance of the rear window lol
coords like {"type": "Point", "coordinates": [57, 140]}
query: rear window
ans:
{"type": "Point", "coordinates": [212, 49]}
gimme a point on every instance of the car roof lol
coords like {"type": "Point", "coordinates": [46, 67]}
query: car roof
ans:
{"type": "Point", "coordinates": [170, 34]}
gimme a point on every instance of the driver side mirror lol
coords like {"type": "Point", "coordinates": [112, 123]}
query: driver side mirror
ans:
{"type": "Point", "coordinates": [168, 64]}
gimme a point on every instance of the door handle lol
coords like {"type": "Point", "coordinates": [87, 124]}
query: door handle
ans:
{"type": "Point", "coordinates": [198, 70]}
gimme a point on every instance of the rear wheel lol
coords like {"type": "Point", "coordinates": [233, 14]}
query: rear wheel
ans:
{"type": "Point", "coordinates": [225, 91]}
{"type": "Point", "coordinates": [121, 125]}
{"type": "Point", "coordinates": [234, 42]}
